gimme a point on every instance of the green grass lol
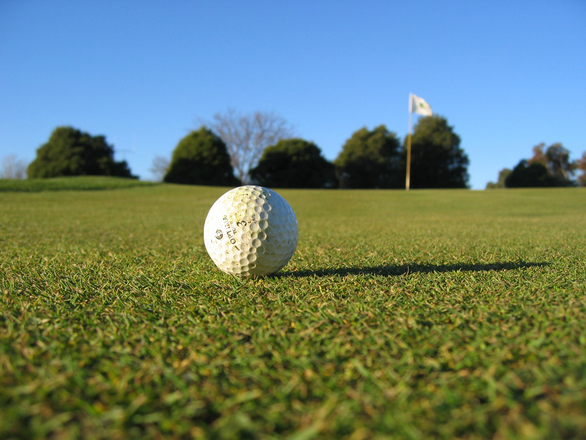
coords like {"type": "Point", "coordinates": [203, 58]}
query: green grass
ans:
{"type": "Point", "coordinates": [427, 314]}
{"type": "Point", "coordinates": [69, 183]}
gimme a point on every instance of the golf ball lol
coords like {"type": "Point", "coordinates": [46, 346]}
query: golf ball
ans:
{"type": "Point", "coordinates": [251, 231]}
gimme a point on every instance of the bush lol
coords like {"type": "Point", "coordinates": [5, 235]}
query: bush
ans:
{"type": "Point", "coordinates": [71, 152]}
{"type": "Point", "coordinates": [201, 158]}
{"type": "Point", "coordinates": [535, 175]}
{"type": "Point", "coordinates": [370, 159]}
{"type": "Point", "coordinates": [294, 163]}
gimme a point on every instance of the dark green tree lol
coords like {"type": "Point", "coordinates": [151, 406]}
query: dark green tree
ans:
{"type": "Point", "coordinates": [557, 161]}
{"type": "Point", "coordinates": [549, 168]}
{"type": "Point", "coordinates": [71, 152]}
{"type": "Point", "coordinates": [294, 163]}
{"type": "Point", "coordinates": [437, 161]}
{"type": "Point", "coordinates": [526, 175]}
{"type": "Point", "coordinates": [201, 158]}
{"type": "Point", "coordinates": [503, 174]}
{"type": "Point", "coordinates": [370, 159]}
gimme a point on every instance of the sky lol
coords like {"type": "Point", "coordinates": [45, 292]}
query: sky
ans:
{"type": "Point", "coordinates": [506, 74]}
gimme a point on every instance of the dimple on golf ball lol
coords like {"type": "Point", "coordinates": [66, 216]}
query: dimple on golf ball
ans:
{"type": "Point", "coordinates": [251, 231]}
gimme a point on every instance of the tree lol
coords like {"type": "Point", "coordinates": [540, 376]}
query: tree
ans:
{"type": "Point", "coordinates": [293, 163]}
{"type": "Point", "coordinates": [526, 175]}
{"type": "Point", "coordinates": [581, 165]}
{"type": "Point", "coordinates": [201, 158]}
{"type": "Point", "coordinates": [71, 152]}
{"type": "Point", "coordinates": [503, 174]}
{"type": "Point", "coordinates": [437, 161]}
{"type": "Point", "coordinates": [246, 136]}
{"type": "Point", "coordinates": [557, 161]}
{"type": "Point", "coordinates": [12, 168]}
{"type": "Point", "coordinates": [370, 159]}
{"type": "Point", "coordinates": [159, 168]}
{"type": "Point", "coordinates": [551, 168]}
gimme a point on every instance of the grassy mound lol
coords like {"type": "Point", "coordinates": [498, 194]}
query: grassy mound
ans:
{"type": "Point", "coordinates": [74, 183]}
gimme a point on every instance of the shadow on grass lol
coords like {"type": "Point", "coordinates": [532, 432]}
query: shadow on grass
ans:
{"type": "Point", "coordinates": [405, 269]}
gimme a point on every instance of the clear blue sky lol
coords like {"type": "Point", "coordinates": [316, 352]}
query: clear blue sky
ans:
{"type": "Point", "coordinates": [507, 74]}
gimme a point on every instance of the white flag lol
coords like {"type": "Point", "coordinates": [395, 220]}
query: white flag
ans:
{"type": "Point", "coordinates": [419, 106]}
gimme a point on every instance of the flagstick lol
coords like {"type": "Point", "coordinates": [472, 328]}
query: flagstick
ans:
{"type": "Point", "coordinates": [408, 178]}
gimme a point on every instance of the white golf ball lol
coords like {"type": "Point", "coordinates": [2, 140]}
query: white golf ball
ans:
{"type": "Point", "coordinates": [251, 231]}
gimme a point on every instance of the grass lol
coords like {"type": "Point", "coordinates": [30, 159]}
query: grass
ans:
{"type": "Point", "coordinates": [427, 314]}
{"type": "Point", "coordinates": [69, 183]}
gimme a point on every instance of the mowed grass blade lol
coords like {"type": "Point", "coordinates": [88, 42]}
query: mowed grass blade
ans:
{"type": "Point", "coordinates": [421, 314]}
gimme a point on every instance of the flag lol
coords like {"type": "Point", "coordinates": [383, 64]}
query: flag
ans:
{"type": "Point", "coordinates": [419, 106]}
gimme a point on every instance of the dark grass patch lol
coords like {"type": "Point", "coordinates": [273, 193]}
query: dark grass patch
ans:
{"type": "Point", "coordinates": [74, 183]}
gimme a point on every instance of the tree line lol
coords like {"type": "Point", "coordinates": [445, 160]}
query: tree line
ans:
{"type": "Point", "coordinates": [548, 167]}
{"type": "Point", "coordinates": [261, 148]}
